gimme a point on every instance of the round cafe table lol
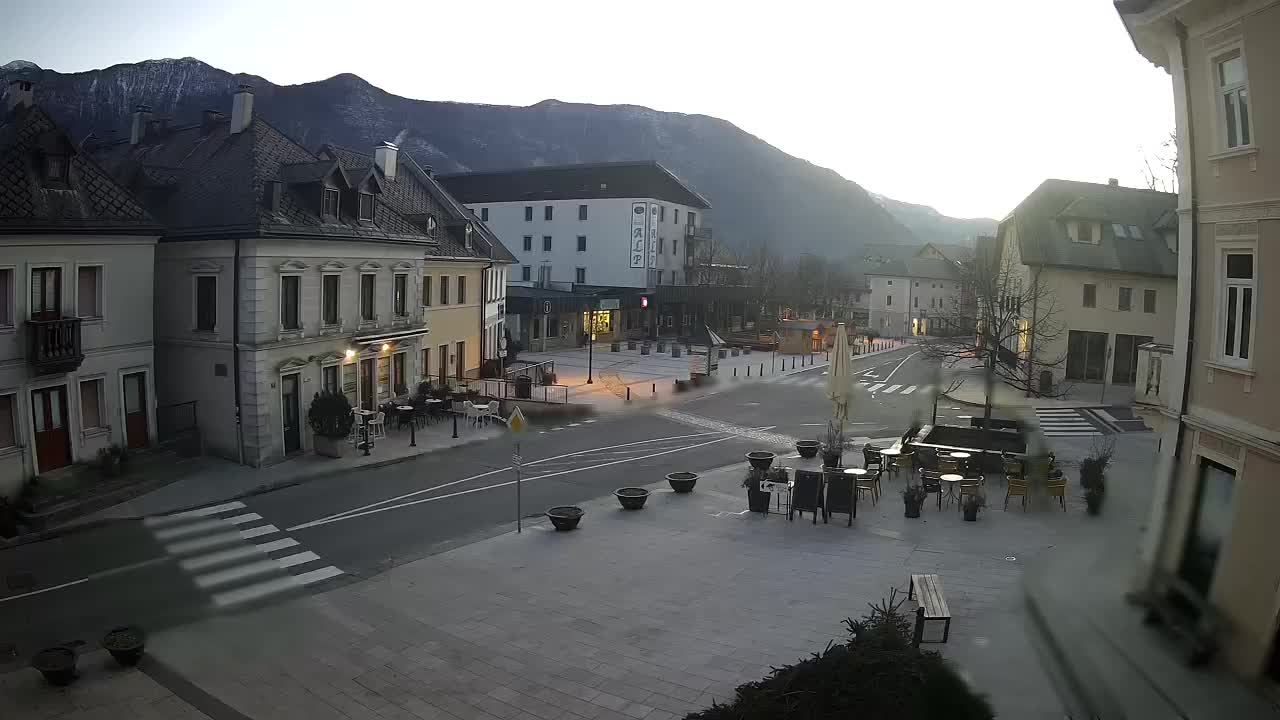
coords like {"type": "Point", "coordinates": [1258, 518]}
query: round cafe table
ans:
{"type": "Point", "coordinates": [952, 480]}
{"type": "Point", "coordinates": [963, 457]}
{"type": "Point", "coordinates": [888, 455]}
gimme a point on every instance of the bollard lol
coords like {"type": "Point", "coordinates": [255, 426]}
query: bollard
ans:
{"type": "Point", "coordinates": [748, 371]}
{"type": "Point", "coordinates": [793, 362]}
{"type": "Point", "coordinates": [654, 389]}
{"type": "Point", "coordinates": [413, 437]}
{"type": "Point", "coordinates": [761, 369]}
{"type": "Point", "coordinates": [628, 393]}
{"type": "Point", "coordinates": [735, 372]}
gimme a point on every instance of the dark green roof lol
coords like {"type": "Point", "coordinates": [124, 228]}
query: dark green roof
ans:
{"type": "Point", "coordinates": [1041, 222]}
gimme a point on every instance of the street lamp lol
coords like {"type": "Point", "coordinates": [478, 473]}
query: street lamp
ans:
{"type": "Point", "coordinates": [591, 336]}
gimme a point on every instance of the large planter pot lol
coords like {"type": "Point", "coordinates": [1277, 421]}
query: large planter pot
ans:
{"type": "Point", "coordinates": [631, 498]}
{"type": "Point", "coordinates": [57, 664]}
{"type": "Point", "coordinates": [631, 344]}
{"type": "Point", "coordinates": [831, 458]}
{"type": "Point", "coordinates": [721, 353]}
{"type": "Point", "coordinates": [758, 501]}
{"type": "Point", "coordinates": [565, 517]}
{"type": "Point", "coordinates": [615, 347]}
{"type": "Point", "coordinates": [971, 514]}
{"type": "Point", "coordinates": [662, 346]}
{"type": "Point", "coordinates": [760, 459]}
{"type": "Point", "coordinates": [808, 448]}
{"type": "Point", "coordinates": [644, 349]}
{"type": "Point", "coordinates": [682, 482]}
{"type": "Point", "coordinates": [126, 644]}
{"type": "Point", "coordinates": [1093, 501]}
{"type": "Point", "coordinates": [912, 509]}
{"type": "Point", "coordinates": [329, 447]}
{"type": "Point", "coordinates": [735, 351]}
{"type": "Point", "coordinates": [675, 351]}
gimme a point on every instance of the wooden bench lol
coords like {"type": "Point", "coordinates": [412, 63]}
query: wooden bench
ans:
{"type": "Point", "coordinates": [1181, 609]}
{"type": "Point", "coordinates": [933, 618]}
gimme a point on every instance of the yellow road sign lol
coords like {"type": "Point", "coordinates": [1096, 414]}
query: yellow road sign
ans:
{"type": "Point", "coordinates": [516, 423]}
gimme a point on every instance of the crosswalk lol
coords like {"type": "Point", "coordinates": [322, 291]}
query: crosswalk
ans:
{"type": "Point", "coordinates": [815, 380]}
{"type": "Point", "coordinates": [1065, 422]}
{"type": "Point", "coordinates": [236, 556]}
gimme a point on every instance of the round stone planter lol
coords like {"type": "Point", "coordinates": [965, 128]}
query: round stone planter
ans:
{"type": "Point", "coordinates": [722, 353]}
{"type": "Point", "coordinates": [662, 346]}
{"type": "Point", "coordinates": [808, 448]}
{"type": "Point", "coordinates": [631, 498]}
{"type": "Point", "coordinates": [57, 664]}
{"type": "Point", "coordinates": [565, 517]}
{"type": "Point", "coordinates": [682, 482]}
{"type": "Point", "coordinates": [675, 351]}
{"type": "Point", "coordinates": [615, 347]}
{"type": "Point", "coordinates": [631, 344]}
{"type": "Point", "coordinates": [746, 351]}
{"type": "Point", "coordinates": [760, 459]}
{"type": "Point", "coordinates": [735, 352]}
{"type": "Point", "coordinates": [126, 644]}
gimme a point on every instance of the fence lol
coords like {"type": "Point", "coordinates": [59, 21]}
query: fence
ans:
{"type": "Point", "coordinates": [533, 371]}
{"type": "Point", "coordinates": [178, 426]}
{"type": "Point", "coordinates": [506, 390]}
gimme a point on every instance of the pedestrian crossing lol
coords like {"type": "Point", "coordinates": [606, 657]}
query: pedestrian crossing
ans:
{"type": "Point", "coordinates": [236, 556]}
{"type": "Point", "coordinates": [815, 380]}
{"type": "Point", "coordinates": [1065, 422]}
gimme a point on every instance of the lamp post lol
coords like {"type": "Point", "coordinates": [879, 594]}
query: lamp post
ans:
{"type": "Point", "coordinates": [591, 336]}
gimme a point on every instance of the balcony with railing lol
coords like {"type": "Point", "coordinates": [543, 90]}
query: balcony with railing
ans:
{"type": "Point", "coordinates": [53, 346]}
{"type": "Point", "coordinates": [700, 232]}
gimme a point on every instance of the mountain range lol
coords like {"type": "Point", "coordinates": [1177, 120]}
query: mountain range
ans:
{"type": "Point", "coordinates": [759, 194]}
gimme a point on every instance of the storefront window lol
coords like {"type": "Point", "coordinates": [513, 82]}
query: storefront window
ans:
{"type": "Point", "coordinates": [602, 325]}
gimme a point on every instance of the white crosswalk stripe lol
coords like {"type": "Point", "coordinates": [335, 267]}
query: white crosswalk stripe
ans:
{"type": "Point", "coordinates": [876, 387]}
{"type": "Point", "coordinates": [1065, 422]}
{"type": "Point", "coordinates": [235, 555]}
{"type": "Point", "coordinates": [909, 390]}
{"type": "Point", "coordinates": [820, 381]}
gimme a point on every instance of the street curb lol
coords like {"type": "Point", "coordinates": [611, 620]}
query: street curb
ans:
{"type": "Point", "coordinates": [63, 530]}
{"type": "Point", "coordinates": [1029, 407]}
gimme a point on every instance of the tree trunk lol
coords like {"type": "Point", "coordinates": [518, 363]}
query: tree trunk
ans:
{"type": "Point", "coordinates": [986, 408]}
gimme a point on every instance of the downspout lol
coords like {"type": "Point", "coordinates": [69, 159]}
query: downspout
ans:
{"type": "Point", "coordinates": [235, 345]}
{"type": "Point", "coordinates": [1031, 348]}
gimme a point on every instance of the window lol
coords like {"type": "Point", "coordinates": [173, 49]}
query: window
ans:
{"type": "Point", "coordinates": [1135, 232]}
{"type": "Point", "coordinates": [1085, 232]}
{"type": "Point", "coordinates": [6, 297]}
{"type": "Point", "coordinates": [528, 213]}
{"type": "Point", "coordinates": [399, 380]}
{"type": "Point", "coordinates": [8, 438]}
{"type": "Point", "coordinates": [484, 217]}
{"type": "Point", "coordinates": [462, 289]}
{"type": "Point", "coordinates": [526, 273]}
{"type": "Point", "coordinates": [89, 292]}
{"type": "Point", "coordinates": [400, 295]}
{"type": "Point", "coordinates": [659, 277]}
{"type": "Point", "coordinates": [368, 298]}
{"type": "Point", "coordinates": [206, 303]}
{"type": "Point", "coordinates": [329, 287]}
{"type": "Point", "coordinates": [546, 212]}
{"type": "Point", "coordinates": [444, 289]}
{"type": "Point", "coordinates": [535, 328]}
{"type": "Point", "coordinates": [366, 207]}
{"type": "Point", "coordinates": [662, 213]}
{"type": "Point", "coordinates": [289, 302]}
{"type": "Point", "coordinates": [329, 203]}
{"type": "Point", "coordinates": [917, 283]}
{"type": "Point", "coordinates": [1209, 526]}
{"type": "Point", "coordinates": [55, 168]}
{"type": "Point", "coordinates": [91, 415]}
{"type": "Point", "coordinates": [528, 243]}
{"type": "Point", "coordinates": [582, 242]}
{"type": "Point", "coordinates": [1119, 230]}
{"type": "Point", "coordinates": [580, 275]}
{"type": "Point", "coordinates": [917, 299]}
{"type": "Point", "coordinates": [1090, 295]}
{"type": "Point", "coordinates": [426, 291]}
{"type": "Point", "coordinates": [675, 215]}
{"type": "Point", "coordinates": [660, 242]}
{"type": "Point", "coordinates": [675, 243]}
{"type": "Point", "coordinates": [888, 300]}
{"type": "Point", "coordinates": [426, 362]}
{"type": "Point", "coordinates": [1236, 318]}
{"type": "Point", "coordinates": [932, 302]}
{"type": "Point", "coordinates": [582, 212]}
{"type": "Point", "coordinates": [890, 282]}
{"type": "Point", "coordinates": [329, 379]}
{"type": "Point", "coordinates": [1125, 301]}
{"type": "Point", "coordinates": [546, 243]}
{"type": "Point", "coordinates": [1235, 100]}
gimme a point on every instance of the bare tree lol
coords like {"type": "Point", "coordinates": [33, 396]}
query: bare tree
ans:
{"type": "Point", "coordinates": [1012, 317]}
{"type": "Point", "coordinates": [764, 279]}
{"type": "Point", "coordinates": [1160, 169]}
{"type": "Point", "coordinates": [708, 259]}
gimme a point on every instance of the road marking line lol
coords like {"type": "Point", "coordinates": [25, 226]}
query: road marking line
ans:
{"type": "Point", "coordinates": [909, 390]}
{"type": "Point", "coordinates": [275, 545]}
{"type": "Point", "coordinates": [273, 586]}
{"type": "Point", "coordinates": [258, 531]}
{"type": "Point", "coordinates": [297, 559]}
{"type": "Point", "coordinates": [196, 528]}
{"type": "Point", "coordinates": [326, 521]}
{"type": "Point", "coordinates": [45, 590]}
{"type": "Point", "coordinates": [239, 572]}
{"type": "Point", "coordinates": [212, 510]}
{"type": "Point", "coordinates": [242, 519]}
{"type": "Point", "coordinates": [315, 576]}
{"type": "Point", "coordinates": [876, 387]}
{"type": "Point", "coordinates": [201, 562]}
{"type": "Point", "coordinates": [893, 389]}
{"type": "Point", "coordinates": [205, 543]}
{"type": "Point", "coordinates": [899, 367]}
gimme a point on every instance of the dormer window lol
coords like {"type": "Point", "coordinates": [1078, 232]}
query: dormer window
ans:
{"type": "Point", "coordinates": [55, 168]}
{"type": "Point", "coordinates": [329, 203]}
{"type": "Point", "coordinates": [366, 207]}
{"type": "Point", "coordinates": [431, 223]}
{"type": "Point", "coordinates": [1083, 231]}
{"type": "Point", "coordinates": [466, 237]}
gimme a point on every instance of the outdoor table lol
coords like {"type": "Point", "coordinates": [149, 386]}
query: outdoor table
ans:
{"type": "Point", "coordinates": [888, 455]}
{"type": "Point", "coordinates": [776, 489]}
{"type": "Point", "coordinates": [363, 417]}
{"type": "Point", "coordinates": [952, 480]}
{"type": "Point", "coordinates": [406, 415]}
{"type": "Point", "coordinates": [963, 457]}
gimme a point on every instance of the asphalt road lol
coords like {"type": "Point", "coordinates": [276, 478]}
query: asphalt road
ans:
{"type": "Point", "coordinates": [346, 527]}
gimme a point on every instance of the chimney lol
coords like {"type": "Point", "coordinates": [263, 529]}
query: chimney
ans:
{"type": "Point", "coordinates": [141, 118]}
{"type": "Point", "coordinates": [1113, 182]}
{"type": "Point", "coordinates": [241, 109]}
{"type": "Point", "coordinates": [21, 94]}
{"type": "Point", "coordinates": [210, 119]}
{"type": "Point", "coordinates": [384, 156]}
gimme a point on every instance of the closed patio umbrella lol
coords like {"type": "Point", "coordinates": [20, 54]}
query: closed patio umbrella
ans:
{"type": "Point", "coordinates": [840, 377]}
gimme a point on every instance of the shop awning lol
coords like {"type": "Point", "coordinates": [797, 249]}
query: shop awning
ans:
{"type": "Point", "coordinates": [390, 337]}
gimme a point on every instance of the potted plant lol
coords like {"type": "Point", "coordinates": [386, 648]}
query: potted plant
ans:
{"type": "Point", "coordinates": [808, 448]}
{"type": "Point", "coordinates": [631, 498]}
{"type": "Point", "coordinates": [833, 444]}
{"type": "Point", "coordinates": [972, 504]}
{"type": "Point", "coordinates": [565, 517]}
{"type": "Point", "coordinates": [615, 347]}
{"type": "Point", "coordinates": [760, 459]}
{"type": "Point", "coordinates": [57, 664]}
{"type": "Point", "coordinates": [675, 351]}
{"type": "Point", "coordinates": [109, 461]}
{"type": "Point", "coordinates": [757, 499]}
{"type": "Point", "coordinates": [126, 644]}
{"type": "Point", "coordinates": [548, 377]}
{"type": "Point", "coordinates": [682, 482]}
{"type": "Point", "coordinates": [913, 499]}
{"type": "Point", "coordinates": [662, 346]}
{"type": "Point", "coordinates": [330, 419]}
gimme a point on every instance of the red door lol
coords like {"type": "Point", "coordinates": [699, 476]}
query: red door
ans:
{"type": "Point", "coordinates": [49, 416]}
{"type": "Point", "coordinates": [135, 410]}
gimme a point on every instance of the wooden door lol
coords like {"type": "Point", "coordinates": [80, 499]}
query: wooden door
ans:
{"type": "Point", "coordinates": [49, 417]}
{"type": "Point", "coordinates": [460, 367]}
{"type": "Point", "coordinates": [46, 293]}
{"type": "Point", "coordinates": [289, 410]}
{"type": "Point", "coordinates": [367, 392]}
{"type": "Point", "coordinates": [137, 434]}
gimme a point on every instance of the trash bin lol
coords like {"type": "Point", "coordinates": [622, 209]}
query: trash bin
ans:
{"type": "Point", "coordinates": [524, 387]}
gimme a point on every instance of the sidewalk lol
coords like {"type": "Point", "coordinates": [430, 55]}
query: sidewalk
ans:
{"type": "Point", "coordinates": [973, 391]}
{"type": "Point", "coordinates": [649, 614]}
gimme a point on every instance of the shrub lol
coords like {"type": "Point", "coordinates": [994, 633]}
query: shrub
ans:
{"type": "Point", "coordinates": [876, 674]}
{"type": "Point", "coordinates": [330, 415]}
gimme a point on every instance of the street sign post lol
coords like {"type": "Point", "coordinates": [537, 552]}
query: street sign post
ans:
{"type": "Point", "coordinates": [517, 424]}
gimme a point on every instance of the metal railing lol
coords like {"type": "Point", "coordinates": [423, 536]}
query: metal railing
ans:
{"type": "Point", "coordinates": [506, 390]}
{"type": "Point", "coordinates": [179, 425]}
{"type": "Point", "coordinates": [700, 231]}
{"type": "Point", "coordinates": [534, 371]}
{"type": "Point", "coordinates": [53, 346]}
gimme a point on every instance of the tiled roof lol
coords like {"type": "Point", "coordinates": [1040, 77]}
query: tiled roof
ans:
{"type": "Point", "coordinates": [918, 268]}
{"type": "Point", "coordinates": [1042, 231]}
{"type": "Point", "coordinates": [639, 179]}
{"type": "Point", "coordinates": [89, 200]}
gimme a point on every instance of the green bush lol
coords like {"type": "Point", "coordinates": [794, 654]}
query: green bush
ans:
{"type": "Point", "coordinates": [876, 675]}
{"type": "Point", "coordinates": [330, 415]}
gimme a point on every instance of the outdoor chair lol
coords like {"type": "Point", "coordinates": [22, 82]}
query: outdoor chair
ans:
{"type": "Point", "coordinates": [948, 465]}
{"type": "Point", "coordinates": [840, 499]}
{"type": "Point", "coordinates": [378, 425]}
{"type": "Point", "coordinates": [806, 495]}
{"type": "Point", "coordinates": [489, 411]}
{"type": "Point", "coordinates": [1013, 467]}
{"type": "Point", "coordinates": [905, 462]}
{"type": "Point", "coordinates": [871, 457]}
{"type": "Point", "coordinates": [1016, 486]}
{"type": "Point", "coordinates": [931, 481]}
{"type": "Point", "coordinates": [969, 486]}
{"type": "Point", "coordinates": [870, 483]}
{"type": "Point", "coordinates": [1058, 488]}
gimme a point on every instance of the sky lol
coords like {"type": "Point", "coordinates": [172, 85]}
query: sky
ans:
{"type": "Point", "coordinates": [965, 106]}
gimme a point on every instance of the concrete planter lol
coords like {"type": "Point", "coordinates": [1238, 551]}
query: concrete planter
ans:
{"type": "Point", "coordinates": [644, 349]}
{"type": "Point", "coordinates": [662, 346]}
{"type": "Point", "coordinates": [722, 353]}
{"type": "Point", "coordinates": [631, 344]}
{"type": "Point", "coordinates": [735, 352]}
{"type": "Point", "coordinates": [329, 447]}
{"type": "Point", "coordinates": [615, 347]}
{"type": "Point", "coordinates": [675, 351]}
